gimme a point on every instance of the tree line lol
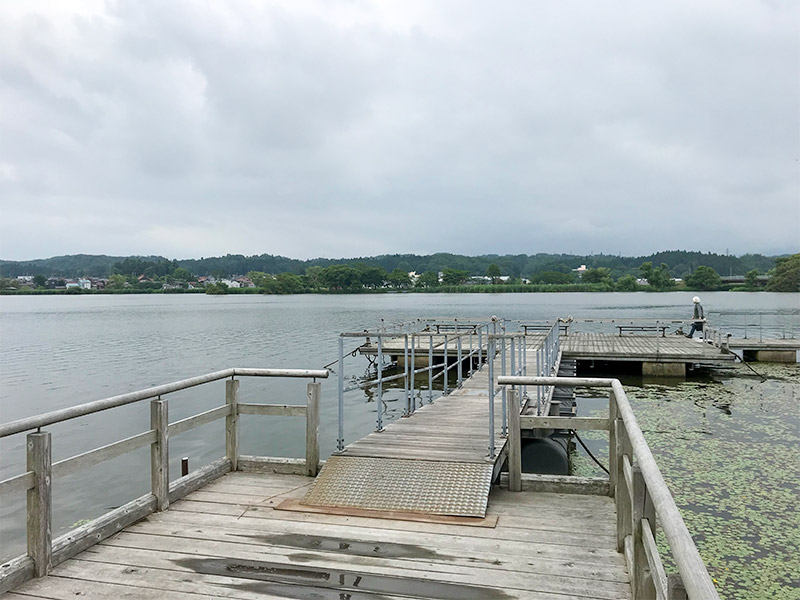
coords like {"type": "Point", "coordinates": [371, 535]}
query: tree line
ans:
{"type": "Point", "coordinates": [680, 263]}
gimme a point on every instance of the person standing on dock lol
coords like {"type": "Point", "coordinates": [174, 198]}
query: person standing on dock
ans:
{"type": "Point", "coordinates": [697, 318]}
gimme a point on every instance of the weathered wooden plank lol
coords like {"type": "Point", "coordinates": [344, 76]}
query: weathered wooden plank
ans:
{"type": "Point", "coordinates": [40, 502]}
{"type": "Point", "coordinates": [576, 423]}
{"type": "Point", "coordinates": [204, 418]}
{"type": "Point", "coordinates": [185, 485]}
{"type": "Point", "coordinates": [15, 572]}
{"type": "Point", "coordinates": [232, 423]}
{"type": "Point", "coordinates": [273, 410]}
{"type": "Point", "coordinates": [654, 561]}
{"type": "Point", "coordinates": [395, 544]}
{"type": "Point", "coordinates": [312, 428]}
{"type": "Point", "coordinates": [159, 453]}
{"type": "Point", "coordinates": [18, 483]}
{"type": "Point", "coordinates": [171, 549]}
{"type": "Point", "coordinates": [265, 464]}
{"type": "Point", "coordinates": [85, 536]}
{"type": "Point", "coordinates": [107, 452]}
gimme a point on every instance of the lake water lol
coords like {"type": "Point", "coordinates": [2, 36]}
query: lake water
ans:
{"type": "Point", "coordinates": [740, 436]}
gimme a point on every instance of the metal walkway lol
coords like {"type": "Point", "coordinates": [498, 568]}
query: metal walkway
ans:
{"type": "Point", "coordinates": [435, 461]}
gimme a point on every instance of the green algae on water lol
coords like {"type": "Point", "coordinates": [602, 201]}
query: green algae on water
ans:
{"type": "Point", "coordinates": [728, 449]}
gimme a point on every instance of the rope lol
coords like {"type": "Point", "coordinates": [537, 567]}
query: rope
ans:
{"type": "Point", "coordinates": [589, 452]}
{"type": "Point", "coordinates": [353, 354]}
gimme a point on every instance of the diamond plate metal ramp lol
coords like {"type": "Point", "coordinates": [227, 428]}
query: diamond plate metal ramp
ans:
{"type": "Point", "coordinates": [428, 487]}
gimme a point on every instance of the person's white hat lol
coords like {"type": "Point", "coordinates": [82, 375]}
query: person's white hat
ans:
{"type": "Point", "coordinates": [696, 299]}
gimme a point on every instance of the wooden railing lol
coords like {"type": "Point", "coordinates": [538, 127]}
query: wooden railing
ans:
{"type": "Point", "coordinates": [44, 552]}
{"type": "Point", "coordinates": [640, 492]}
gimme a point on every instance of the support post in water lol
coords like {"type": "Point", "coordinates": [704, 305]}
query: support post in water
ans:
{"type": "Point", "coordinates": [379, 366]}
{"type": "Point", "coordinates": [40, 502]}
{"type": "Point", "coordinates": [503, 389]}
{"type": "Point", "coordinates": [312, 428]}
{"type": "Point", "coordinates": [407, 410]}
{"type": "Point", "coordinates": [490, 353]}
{"type": "Point", "coordinates": [340, 439]}
{"type": "Point", "coordinates": [514, 443]}
{"type": "Point", "coordinates": [159, 453]}
{"type": "Point", "coordinates": [232, 423]}
{"type": "Point", "coordinates": [413, 372]}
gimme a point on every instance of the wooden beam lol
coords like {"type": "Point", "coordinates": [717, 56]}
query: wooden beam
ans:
{"type": "Point", "coordinates": [159, 453]}
{"type": "Point", "coordinates": [514, 442]}
{"type": "Point", "coordinates": [232, 422]}
{"type": "Point", "coordinates": [40, 502]}
{"type": "Point", "coordinates": [312, 428]}
{"type": "Point", "coordinates": [576, 423]}
{"type": "Point", "coordinates": [273, 410]}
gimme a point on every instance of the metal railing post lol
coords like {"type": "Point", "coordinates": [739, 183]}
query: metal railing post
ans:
{"type": "Point", "coordinates": [471, 351]}
{"type": "Point", "coordinates": [514, 443]}
{"type": "Point", "coordinates": [503, 395]}
{"type": "Point", "coordinates": [430, 370]}
{"type": "Point", "coordinates": [405, 376]}
{"type": "Point", "coordinates": [538, 387]}
{"type": "Point", "coordinates": [159, 453]}
{"type": "Point", "coordinates": [340, 439]}
{"type": "Point", "coordinates": [446, 371]}
{"type": "Point", "coordinates": [232, 423]}
{"type": "Point", "coordinates": [490, 352]}
{"type": "Point", "coordinates": [413, 372]}
{"type": "Point", "coordinates": [40, 502]}
{"type": "Point", "coordinates": [459, 370]}
{"type": "Point", "coordinates": [312, 427]}
{"type": "Point", "coordinates": [380, 383]}
{"type": "Point", "coordinates": [480, 345]}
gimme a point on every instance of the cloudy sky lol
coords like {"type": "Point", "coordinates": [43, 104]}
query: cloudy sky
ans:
{"type": "Point", "coordinates": [356, 128]}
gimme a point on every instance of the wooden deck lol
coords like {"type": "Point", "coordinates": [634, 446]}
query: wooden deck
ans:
{"type": "Point", "coordinates": [645, 348]}
{"type": "Point", "coordinates": [228, 540]}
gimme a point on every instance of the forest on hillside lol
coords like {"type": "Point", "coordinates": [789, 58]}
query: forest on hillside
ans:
{"type": "Point", "coordinates": [680, 263]}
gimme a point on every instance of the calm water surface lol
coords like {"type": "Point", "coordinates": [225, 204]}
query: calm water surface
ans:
{"type": "Point", "coordinates": [58, 351]}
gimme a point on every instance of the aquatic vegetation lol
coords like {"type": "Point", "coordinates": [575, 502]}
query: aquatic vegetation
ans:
{"type": "Point", "coordinates": [728, 448]}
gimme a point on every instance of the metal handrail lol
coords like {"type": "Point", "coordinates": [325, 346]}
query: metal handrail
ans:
{"type": "Point", "coordinates": [696, 578]}
{"type": "Point", "coordinates": [88, 408]}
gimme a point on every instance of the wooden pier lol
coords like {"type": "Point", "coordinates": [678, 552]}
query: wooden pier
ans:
{"type": "Point", "coordinates": [432, 505]}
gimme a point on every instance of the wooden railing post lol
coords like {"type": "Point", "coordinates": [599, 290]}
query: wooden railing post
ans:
{"type": "Point", "coordinates": [40, 502]}
{"type": "Point", "coordinates": [232, 423]}
{"type": "Point", "coordinates": [159, 453]}
{"type": "Point", "coordinates": [312, 428]}
{"type": "Point", "coordinates": [622, 494]}
{"type": "Point", "coordinates": [643, 508]}
{"type": "Point", "coordinates": [613, 457]}
{"type": "Point", "coordinates": [514, 442]}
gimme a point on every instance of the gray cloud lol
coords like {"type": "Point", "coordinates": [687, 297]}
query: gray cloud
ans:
{"type": "Point", "coordinates": [356, 128]}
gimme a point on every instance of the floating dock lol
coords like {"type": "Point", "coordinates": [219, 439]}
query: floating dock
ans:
{"type": "Point", "coordinates": [433, 504]}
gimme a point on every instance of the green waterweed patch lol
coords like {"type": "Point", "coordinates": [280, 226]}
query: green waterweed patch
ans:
{"type": "Point", "coordinates": [729, 449]}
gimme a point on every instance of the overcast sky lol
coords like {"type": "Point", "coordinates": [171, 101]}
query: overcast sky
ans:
{"type": "Point", "coordinates": [356, 128]}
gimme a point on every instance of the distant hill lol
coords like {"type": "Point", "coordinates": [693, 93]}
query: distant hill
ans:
{"type": "Point", "coordinates": [680, 263]}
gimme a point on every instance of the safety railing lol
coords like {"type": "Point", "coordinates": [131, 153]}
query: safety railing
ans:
{"type": "Point", "coordinates": [512, 349]}
{"type": "Point", "coordinates": [43, 552]}
{"type": "Point", "coordinates": [751, 326]}
{"type": "Point", "coordinates": [641, 495]}
{"type": "Point", "coordinates": [463, 341]}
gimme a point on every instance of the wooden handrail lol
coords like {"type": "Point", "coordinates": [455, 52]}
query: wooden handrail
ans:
{"type": "Point", "coordinates": [694, 574]}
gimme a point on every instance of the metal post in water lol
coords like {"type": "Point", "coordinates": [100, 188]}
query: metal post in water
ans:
{"type": "Point", "coordinates": [413, 372]}
{"type": "Point", "coordinates": [340, 440]}
{"type": "Point", "coordinates": [491, 349]}
{"type": "Point", "coordinates": [446, 372]}
{"type": "Point", "coordinates": [430, 370]}
{"type": "Point", "coordinates": [503, 390]}
{"type": "Point", "coordinates": [538, 387]}
{"type": "Point", "coordinates": [459, 370]}
{"type": "Point", "coordinates": [513, 357]}
{"type": "Point", "coordinates": [380, 382]}
{"type": "Point", "coordinates": [405, 376]}
{"type": "Point", "coordinates": [480, 345]}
